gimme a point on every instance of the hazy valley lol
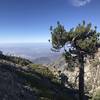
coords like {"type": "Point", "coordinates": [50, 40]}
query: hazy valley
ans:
{"type": "Point", "coordinates": [38, 53]}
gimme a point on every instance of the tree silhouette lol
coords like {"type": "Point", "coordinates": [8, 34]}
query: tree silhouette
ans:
{"type": "Point", "coordinates": [78, 43]}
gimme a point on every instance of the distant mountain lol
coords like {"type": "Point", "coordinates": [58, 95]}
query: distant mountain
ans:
{"type": "Point", "coordinates": [33, 51]}
{"type": "Point", "coordinates": [42, 60]}
{"type": "Point", "coordinates": [59, 63]}
{"type": "Point", "coordinates": [46, 60]}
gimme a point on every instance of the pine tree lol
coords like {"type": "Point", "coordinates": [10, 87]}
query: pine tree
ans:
{"type": "Point", "coordinates": [78, 43]}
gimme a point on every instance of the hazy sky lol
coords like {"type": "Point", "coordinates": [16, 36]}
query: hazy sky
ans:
{"type": "Point", "coordinates": [29, 20]}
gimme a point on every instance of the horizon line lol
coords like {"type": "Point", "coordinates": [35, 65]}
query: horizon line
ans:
{"type": "Point", "coordinates": [21, 42]}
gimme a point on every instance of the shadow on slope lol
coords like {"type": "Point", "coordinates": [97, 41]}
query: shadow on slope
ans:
{"type": "Point", "coordinates": [21, 84]}
{"type": "Point", "coordinates": [31, 82]}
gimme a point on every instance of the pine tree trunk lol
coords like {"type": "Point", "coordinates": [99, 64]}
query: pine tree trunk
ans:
{"type": "Point", "coordinates": [81, 78]}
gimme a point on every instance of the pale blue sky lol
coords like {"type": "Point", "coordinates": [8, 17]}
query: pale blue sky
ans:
{"type": "Point", "coordinates": [29, 20]}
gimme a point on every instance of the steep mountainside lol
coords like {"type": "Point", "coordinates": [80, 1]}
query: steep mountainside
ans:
{"type": "Point", "coordinates": [11, 86]}
{"type": "Point", "coordinates": [92, 72]}
{"type": "Point", "coordinates": [30, 82]}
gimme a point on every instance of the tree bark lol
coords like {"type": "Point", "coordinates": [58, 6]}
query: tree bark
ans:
{"type": "Point", "coordinates": [81, 78]}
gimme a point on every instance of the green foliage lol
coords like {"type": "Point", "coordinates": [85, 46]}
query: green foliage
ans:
{"type": "Point", "coordinates": [42, 70]}
{"type": "Point", "coordinates": [58, 38]}
{"type": "Point", "coordinates": [83, 40]}
{"type": "Point", "coordinates": [83, 37]}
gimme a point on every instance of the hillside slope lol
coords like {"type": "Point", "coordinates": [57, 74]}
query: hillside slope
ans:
{"type": "Point", "coordinates": [30, 82]}
{"type": "Point", "coordinates": [92, 72]}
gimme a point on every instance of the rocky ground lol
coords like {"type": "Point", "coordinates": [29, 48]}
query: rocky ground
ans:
{"type": "Point", "coordinates": [31, 82]}
{"type": "Point", "coordinates": [11, 86]}
{"type": "Point", "coordinates": [92, 73]}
